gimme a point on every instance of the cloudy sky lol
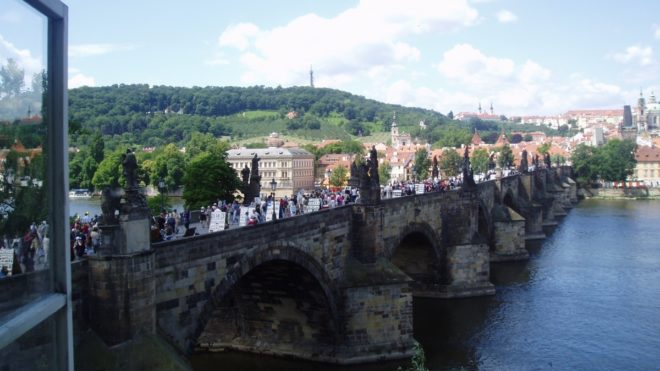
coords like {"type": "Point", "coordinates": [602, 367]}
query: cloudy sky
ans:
{"type": "Point", "coordinates": [525, 56]}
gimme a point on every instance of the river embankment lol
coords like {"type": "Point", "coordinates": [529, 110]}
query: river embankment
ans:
{"type": "Point", "coordinates": [647, 193]}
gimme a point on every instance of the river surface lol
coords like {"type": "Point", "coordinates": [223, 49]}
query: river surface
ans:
{"type": "Point", "coordinates": [587, 299]}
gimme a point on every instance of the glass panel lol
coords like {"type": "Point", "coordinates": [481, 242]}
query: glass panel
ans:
{"type": "Point", "coordinates": [35, 350]}
{"type": "Point", "coordinates": [24, 241]}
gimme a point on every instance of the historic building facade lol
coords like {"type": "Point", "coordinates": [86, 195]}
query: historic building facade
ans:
{"type": "Point", "coordinates": [291, 168]}
{"type": "Point", "coordinates": [647, 168]}
{"type": "Point", "coordinates": [647, 114]}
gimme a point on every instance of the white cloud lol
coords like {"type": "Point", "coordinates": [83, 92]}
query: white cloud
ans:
{"type": "Point", "coordinates": [505, 16]}
{"type": "Point", "coordinates": [635, 53]}
{"type": "Point", "coordinates": [523, 88]}
{"type": "Point", "coordinates": [533, 72]}
{"type": "Point", "coordinates": [656, 31]}
{"type": "Point", "coordinates": [79, 79]}
{"type": "Point", "coordinates": [373, 34]}
{"type": "Point", "coordinates": [23, 58]}
{"type": "Point", "coordinates": [468, 65]}
{"type": "Point", "coordinates": [219, 59]}
{"type": "Point", "coordinates": [88, 50]}
{"type": "Point", "coordinates": [238, 36]}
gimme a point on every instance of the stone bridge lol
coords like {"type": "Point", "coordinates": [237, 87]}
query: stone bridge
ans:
{"type": "Point", "coordinates": [335, 285]}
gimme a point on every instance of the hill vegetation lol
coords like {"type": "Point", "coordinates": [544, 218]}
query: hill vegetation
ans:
{"type": "Point", "coordinates": [140, 115]}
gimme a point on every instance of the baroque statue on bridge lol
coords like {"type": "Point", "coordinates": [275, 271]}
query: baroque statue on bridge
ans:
{"type": "Point", "coordinates": [547, 160]}
{"type": "Point", "coordinates": [129, 162]}
{"type": "Point", "coordinates": [523, 162]}
{"type": "Point", "coordinates": [468, 175]}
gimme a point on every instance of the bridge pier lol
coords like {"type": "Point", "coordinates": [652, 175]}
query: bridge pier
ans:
{"type": "Point", "coordinates": [122, 286]}
{"type": "Point", "coordinates": [532, 212]}
{"type": "Point", "coordinates": [377, 317]}
{"type": "Point", "coordinates": [509, 235]}
{"type": "Point", "coordinates": [468, 268]}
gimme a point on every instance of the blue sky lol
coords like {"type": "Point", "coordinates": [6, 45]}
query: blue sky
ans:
{"type": "Point", "coordinates": [526, 57]}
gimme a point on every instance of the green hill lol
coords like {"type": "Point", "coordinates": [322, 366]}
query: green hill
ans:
{"type": "Point", "coordinates": [153, 116]}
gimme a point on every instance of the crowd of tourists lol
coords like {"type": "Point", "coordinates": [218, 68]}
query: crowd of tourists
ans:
{"type": "Point", "coordinates": [25, 253]}
{"type": "Point", "coordinates": [85, 236]}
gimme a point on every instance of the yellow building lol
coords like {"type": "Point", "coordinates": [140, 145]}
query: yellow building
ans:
{"type": "Point", "coordinates": [291, 168]}
{"type": "Point", "coordinates": [647, 169]}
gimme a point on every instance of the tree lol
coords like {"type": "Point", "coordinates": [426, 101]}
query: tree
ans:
{"type": "Point", "coordinates": [583, 159]}
{"type": "Point", "coordinates": [209, 177]}
{"type": "Point", "coordinates": [97, 147]}
{"type": "Point", "coordinates": [338, 176]}
{"type": "Point", "coordinates": [170, 166]}
{"type": "Point", "coordinates": [450, 115]}
{"type": "Point", "coordinates": [544, 148]}
{"type": "Point", "coordinates": [528, 138]}
{"type": "Point", "coordinates": [11, 79]}
{"type": "Point", "coordinates": [450, 163]}
{"type": "Point", "coordinates": [21, 204]}
{"type": "Point", "coordinates": [198, 143]}
{"type": "Point", "coordinates": [384, 173]}
{"type": "Point", "coordinates": [110, 172]}
{"type": "Point", "coordinates": [558, 159]}
{"type": "Point", "coordinates": [505, 159]}
{"type": "Point", "coordinates": [352, 147]}
{"type": "Point", "coordinates": [616, 159]}
{"type": "Point", "coordinates": [87, 171]}
{"type": "Point", "coordinates": [479, 160]}
{"type": "Point", "coordinates": [422, 164]}
{"type": "Point", "coordinates": [516, 138]}
{"type": "Point", "coordinates": [454, 137]}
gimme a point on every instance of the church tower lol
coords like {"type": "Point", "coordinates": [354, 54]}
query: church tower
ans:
{"type": "Point", "coordinates": [480, 108]}
{"type": "Point", "coordinates": [311, 77]}
{"type": "Point", "coordinates": [491, 108]}
{"type": "Point", "coordinates": [640, 113]}
{"type": "Point", "coordinates": [395, 130]}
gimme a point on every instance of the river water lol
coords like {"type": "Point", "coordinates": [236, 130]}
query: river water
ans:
{"type": "Point", "coordinates": [587, 299]}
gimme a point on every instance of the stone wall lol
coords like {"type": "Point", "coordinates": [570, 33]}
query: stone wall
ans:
{"type": "Point", "coordinates": [509, 238]}
{"type": "Point", "coordinates": [121, 293]}
{"type": "Point", "coordinates": [189, 272]}
{"type": "Point", "coordinates": [469, 271]}
{"type": "Point", "coordinates": [378, 323]}
{"type": "Point", "coordinates": [652, 193]}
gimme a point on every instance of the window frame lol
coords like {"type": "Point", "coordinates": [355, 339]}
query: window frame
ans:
{"type": "Point", "coordinates": [56, 304]}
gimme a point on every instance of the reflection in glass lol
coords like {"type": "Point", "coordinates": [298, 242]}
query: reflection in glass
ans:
{"type": "Point", "coordinates": [35, 350]}
{"type": "Point", "coordinates": [24, 237]}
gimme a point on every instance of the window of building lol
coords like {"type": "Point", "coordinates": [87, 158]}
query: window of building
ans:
{"type": "Point", "coordinates": [35, 319]}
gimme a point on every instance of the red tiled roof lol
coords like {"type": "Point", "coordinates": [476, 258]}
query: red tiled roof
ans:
{"type": "Point", "coordinates": [647, 154]}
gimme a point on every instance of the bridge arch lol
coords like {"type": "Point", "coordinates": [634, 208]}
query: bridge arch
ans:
{"type": "Point", "coordinates": [511, 200]}
{"type": "Point", "coordinates": [275, 300]}
{"type": "Point", "coordinates": [419, 253]}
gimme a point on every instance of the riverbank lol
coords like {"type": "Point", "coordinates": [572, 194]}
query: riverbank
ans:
{"type": "Point", "coordinates": [620, 193]}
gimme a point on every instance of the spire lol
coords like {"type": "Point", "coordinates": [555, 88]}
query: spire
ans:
{"type": "Point", "coordinates": [476, 138]}
{"type": "Point", "coordinates": [311, 76]}
{"type": "Point", "coordinates": [479, 107]}
{"type": "Point", "coordinates": [491, 107]}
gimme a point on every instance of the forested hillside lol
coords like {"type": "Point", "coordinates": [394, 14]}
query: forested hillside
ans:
{"type": "Point", "coordinates": [157, 115]}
